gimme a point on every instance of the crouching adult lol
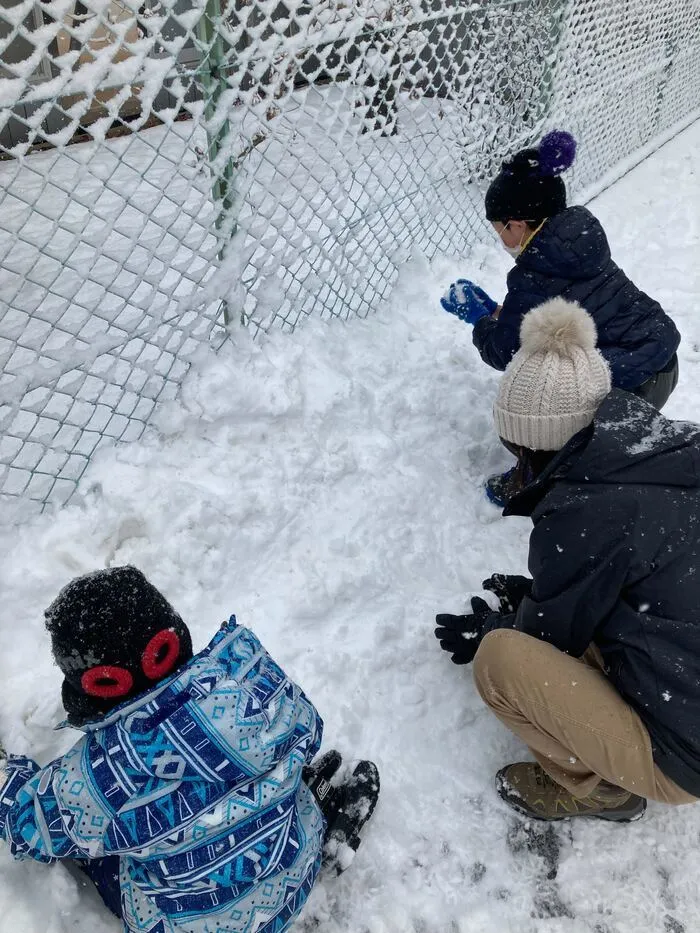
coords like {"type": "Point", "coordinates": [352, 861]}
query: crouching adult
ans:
{"type": "Point", "coordinates": [594, 662]}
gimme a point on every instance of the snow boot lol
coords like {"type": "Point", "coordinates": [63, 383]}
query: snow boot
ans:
{"type": "Point", "coordinates": [502, 486]}
{"type": "Point", "coordinates": [355, 803]}
{"type": "Point", "coordinates": [528, 789]}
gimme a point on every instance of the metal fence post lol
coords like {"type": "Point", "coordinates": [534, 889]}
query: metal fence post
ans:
{"type": "Point", "coordinates": [211, 72]}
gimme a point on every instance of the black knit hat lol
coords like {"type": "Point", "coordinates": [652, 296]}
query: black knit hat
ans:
{"type": "Point", "coordinates": [528, 187]}
{"type": "Point", "coordinates": [114, 636]}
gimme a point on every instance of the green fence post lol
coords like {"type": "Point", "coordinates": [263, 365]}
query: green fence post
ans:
{"type": "Point", "coordinates": [211, 72]}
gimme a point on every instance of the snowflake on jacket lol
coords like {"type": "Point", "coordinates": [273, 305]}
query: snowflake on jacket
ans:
{"type": "Point", "coordinates": [197, 785]}
{"type": "Point", "coordinates": [570, 258]}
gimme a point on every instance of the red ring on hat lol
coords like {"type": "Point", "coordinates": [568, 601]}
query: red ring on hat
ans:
{"type": "Point", "coordinates": [107, 681]}
{"type": "Point", "coordinates": [160, 654]}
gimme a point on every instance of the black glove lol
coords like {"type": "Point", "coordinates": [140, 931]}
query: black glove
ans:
{"type": "Point", "coordinates": [511, 590]}
{"type": "Point", "coordinates": [461, 635]}
{"type": "Point", "coordinates": [317, 777]}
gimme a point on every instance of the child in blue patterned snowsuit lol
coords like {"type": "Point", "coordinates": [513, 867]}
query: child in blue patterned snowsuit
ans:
{"type": "Point", "coordinates": [193, 781]}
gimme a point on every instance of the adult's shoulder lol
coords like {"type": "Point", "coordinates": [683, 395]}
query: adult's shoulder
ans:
{"type": "Point", "coordinates": [582, 515]}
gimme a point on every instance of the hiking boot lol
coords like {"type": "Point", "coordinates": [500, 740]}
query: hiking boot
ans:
{"type": "Point", "coordinates": [527, 788]}
{"type": "Point", "coordinates": [502, 486]}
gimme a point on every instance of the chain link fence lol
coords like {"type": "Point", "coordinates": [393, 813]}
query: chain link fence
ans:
{"type": "Point", "coordinates": [171, 167]}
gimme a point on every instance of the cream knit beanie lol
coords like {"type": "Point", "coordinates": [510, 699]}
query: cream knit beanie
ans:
{"type": "Point", "coordinates": [555, 382]}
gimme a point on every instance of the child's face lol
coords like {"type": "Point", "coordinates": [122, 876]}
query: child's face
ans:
{"type": "Point", "coordinates": [512, 233]}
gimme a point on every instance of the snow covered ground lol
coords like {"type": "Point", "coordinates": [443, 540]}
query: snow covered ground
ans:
{"type": "Point", "coordinates": [326, 486]}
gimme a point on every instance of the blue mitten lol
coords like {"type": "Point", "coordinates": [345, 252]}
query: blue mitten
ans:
{"type": "Point", "coordinates": [468, 301]}
{"type": "Point", "coordinates": [485, 299]}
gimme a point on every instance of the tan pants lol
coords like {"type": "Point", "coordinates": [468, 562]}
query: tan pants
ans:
{"type": "Point", "coordinates": [575, 722]}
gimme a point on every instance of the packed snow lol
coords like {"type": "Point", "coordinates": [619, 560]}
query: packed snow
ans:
{"type": "Point", "coordinates": [326, 487]}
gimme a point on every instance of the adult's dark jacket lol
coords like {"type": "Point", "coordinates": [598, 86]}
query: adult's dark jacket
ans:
{"type": "Point", "coordinates": [570, 258]}
{"type": "Point", "coordinates": [615, 560]}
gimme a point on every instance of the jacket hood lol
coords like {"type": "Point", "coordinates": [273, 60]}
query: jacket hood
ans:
{"type": "Point", "coordinates": [629, 443]}
{"type": "Point", "coordinates": [571, 245]}
{"type": "Point", "coordinates": [232, 680]}
{"type": "Point", "coordinates": [633, 443]}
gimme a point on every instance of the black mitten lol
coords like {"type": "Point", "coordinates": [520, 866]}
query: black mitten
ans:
{"type": "Point", "coordinates": [461, 635]}
{"type": "Point", "coordinates": [511, 590]}
{"type": "Point", "coordinates": [317, 777]}
{"type": "Point", "coordinates": [357, 797]}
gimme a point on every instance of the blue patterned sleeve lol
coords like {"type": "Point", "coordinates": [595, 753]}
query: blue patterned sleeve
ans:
{"type": "Point", "coordinates": [21, 820]}
{"type": "Point", "coordinates": [17, 772]}
{"type": "Point", "coordinates": [58, 811]}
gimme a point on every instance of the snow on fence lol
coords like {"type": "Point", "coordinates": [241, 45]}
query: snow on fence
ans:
{"type": "Point", "coordinates": [170, 167]}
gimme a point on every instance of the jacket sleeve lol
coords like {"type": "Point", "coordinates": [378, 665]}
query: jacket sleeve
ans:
{"type": "Point", "coordinates": [498, 339]}
{"type": "Point", "coordinates": [579, 560]}
{"type": "Point", "coordinates": [24, 822]}
{"type": "Point", "coordinates": [58, 812]}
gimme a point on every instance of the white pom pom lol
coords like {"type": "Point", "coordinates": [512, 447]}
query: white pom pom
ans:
{"type": "Point", "coordinates": [558, 326]}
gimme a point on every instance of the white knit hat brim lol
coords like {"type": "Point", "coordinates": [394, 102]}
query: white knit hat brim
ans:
{"type": "Point", "coordinates": [540, 432]}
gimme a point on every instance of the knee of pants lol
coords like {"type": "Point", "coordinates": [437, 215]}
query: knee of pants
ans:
{"type": "Point", "coordinates": [499, 654]}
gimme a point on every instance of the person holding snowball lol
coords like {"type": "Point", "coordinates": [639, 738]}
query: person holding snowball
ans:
{"type": "Point", "coordinates": [562, 251]}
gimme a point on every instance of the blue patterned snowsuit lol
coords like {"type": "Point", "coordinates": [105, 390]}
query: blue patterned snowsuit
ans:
{"type": "Point", "coordinates": [197, 785]}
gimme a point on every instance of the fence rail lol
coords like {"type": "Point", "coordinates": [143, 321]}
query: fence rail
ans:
{"type": "Point", "coordinates": [170, 166]}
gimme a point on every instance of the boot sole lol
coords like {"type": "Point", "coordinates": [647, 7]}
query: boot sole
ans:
{"type": "Point", "coordinates": [608, 817]}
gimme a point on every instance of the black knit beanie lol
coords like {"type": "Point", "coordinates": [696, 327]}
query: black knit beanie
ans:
{"type": "Point", "coordinates": [114, 636]}
{"type": "Point", "coordinates": [528, 187]}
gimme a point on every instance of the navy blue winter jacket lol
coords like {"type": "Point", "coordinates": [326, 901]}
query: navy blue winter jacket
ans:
{"type": "Point", "coordinates": [570, 258]}
{"type": "Point", "coordinates": [614, 557]}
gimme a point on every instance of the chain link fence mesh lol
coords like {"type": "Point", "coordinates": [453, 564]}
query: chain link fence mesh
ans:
{"type": "Point", "coordinates": [170, 167]}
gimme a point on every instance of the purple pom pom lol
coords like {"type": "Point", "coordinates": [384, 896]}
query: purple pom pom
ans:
{"type": "Point", "coordinates": [557, 152]}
